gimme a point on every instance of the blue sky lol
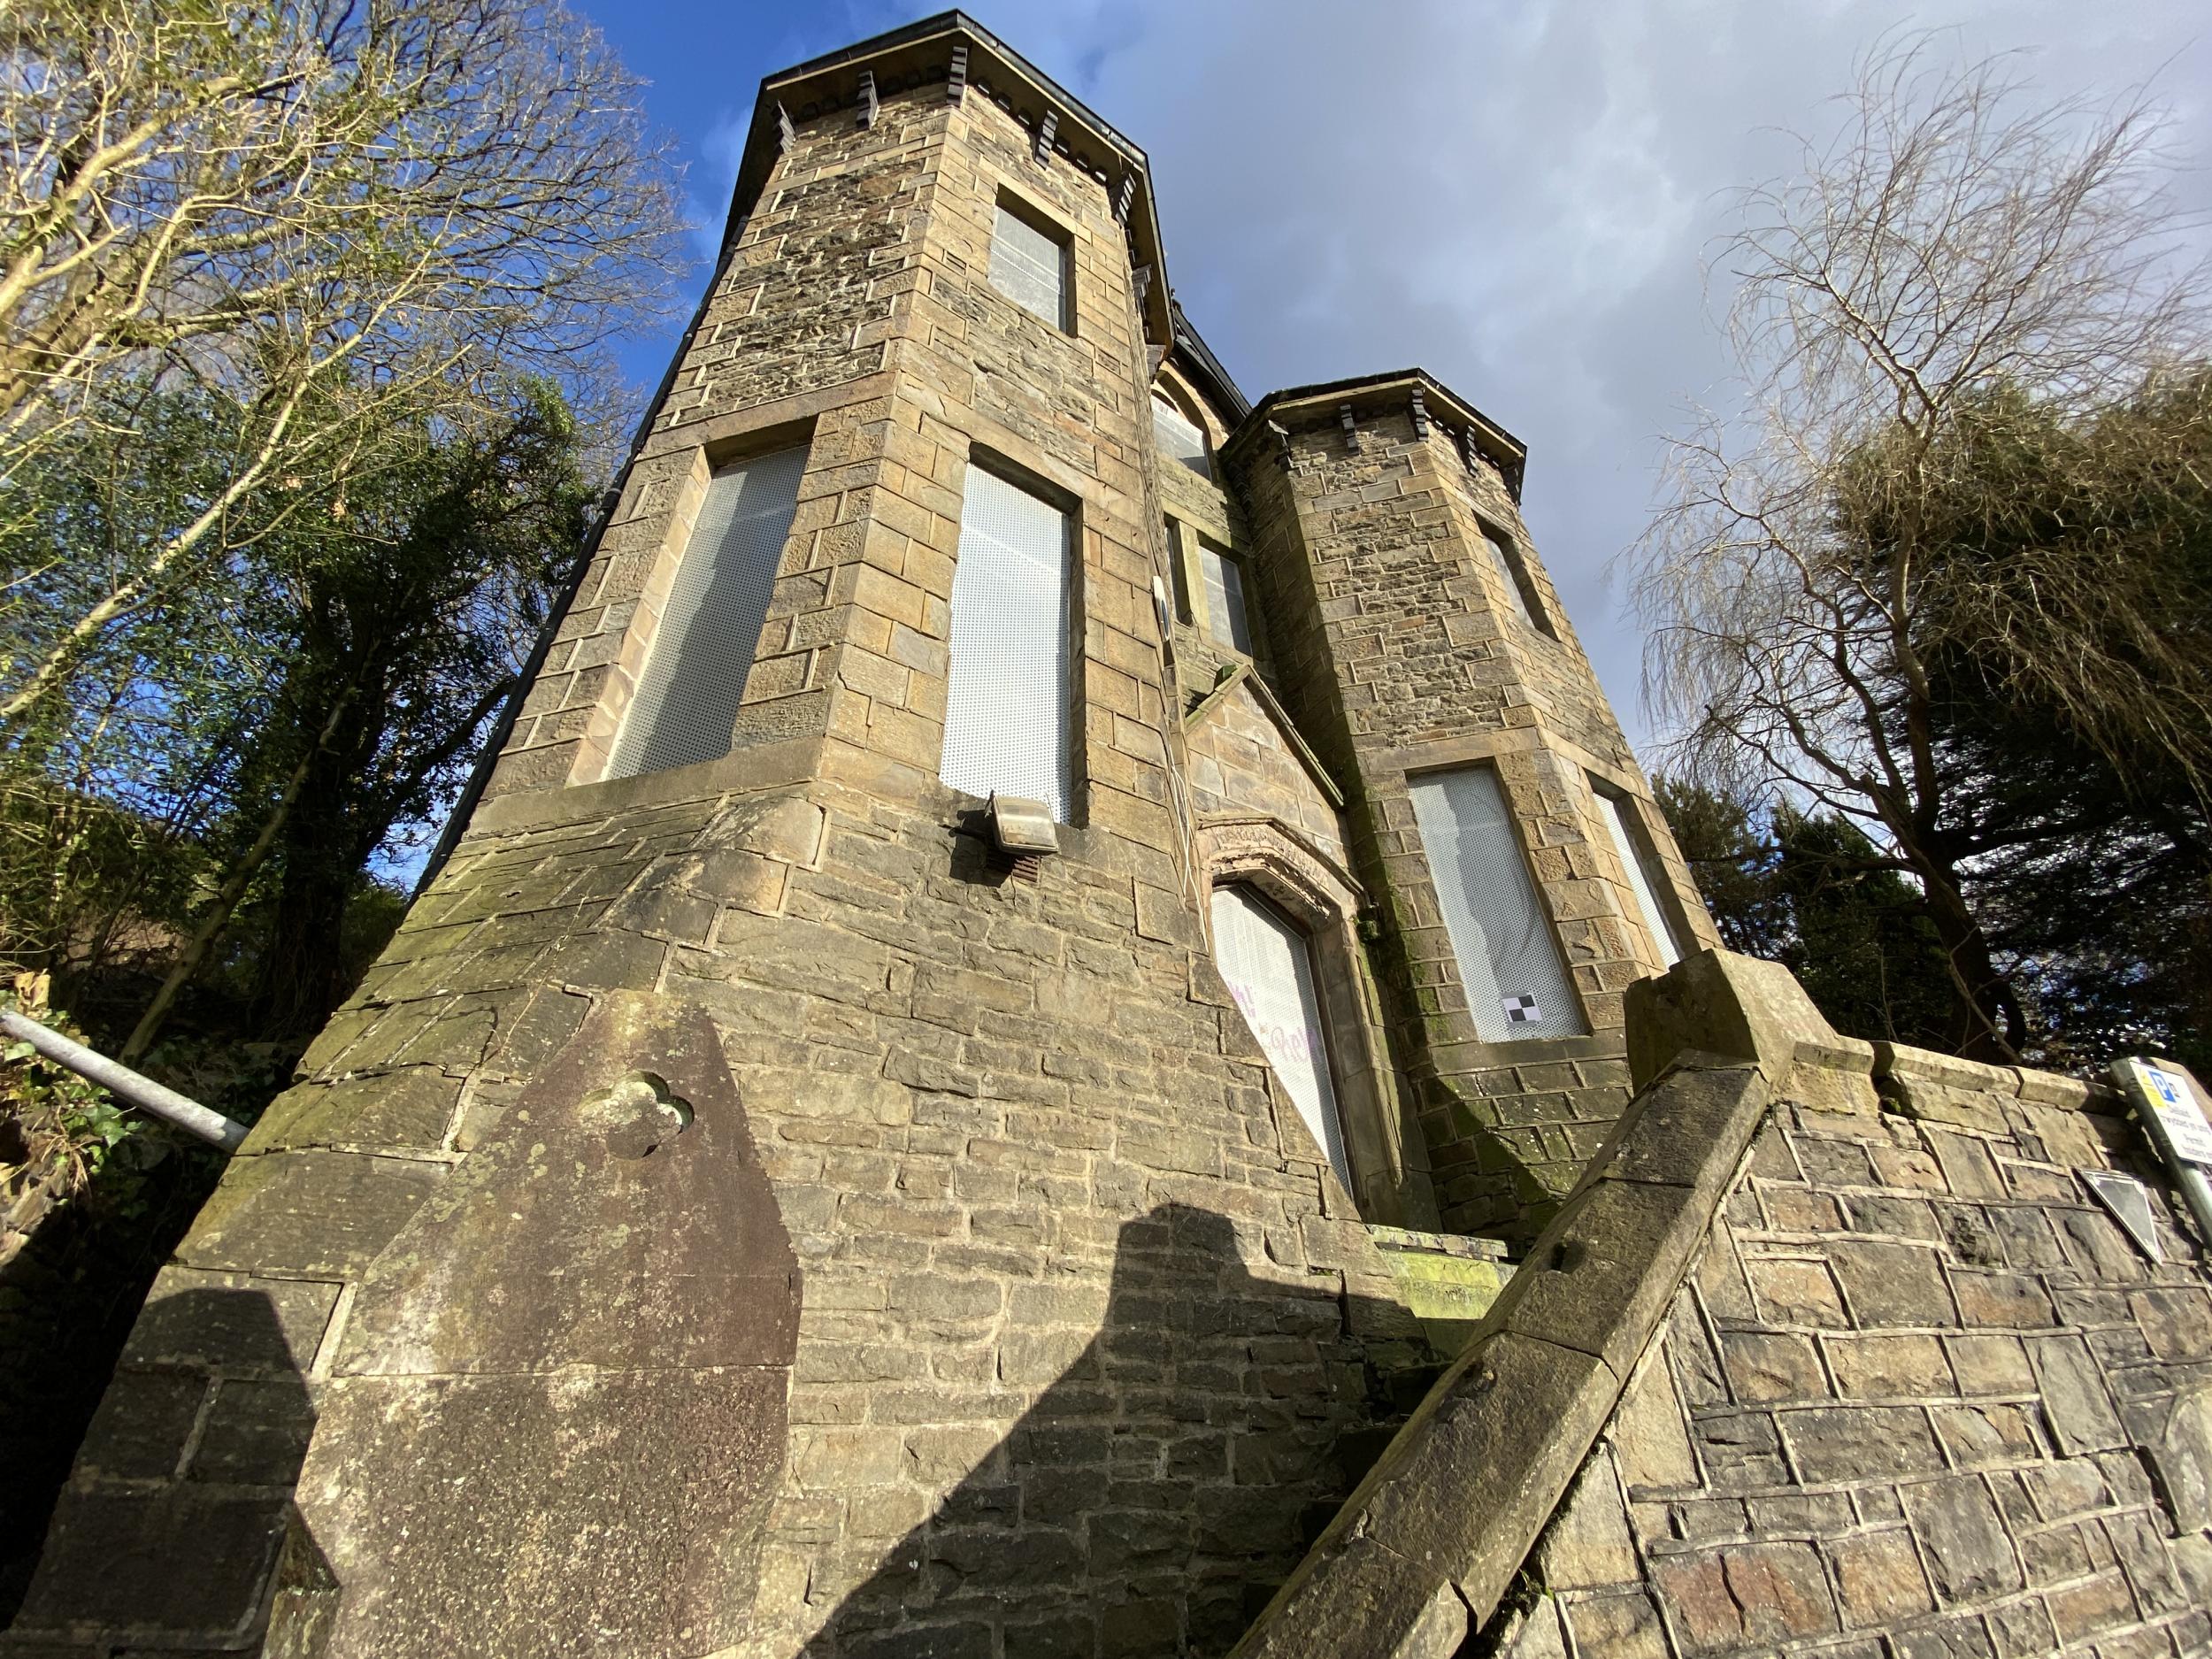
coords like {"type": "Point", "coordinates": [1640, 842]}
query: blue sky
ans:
{"type": "Point", "coordinates": [1514, 196]}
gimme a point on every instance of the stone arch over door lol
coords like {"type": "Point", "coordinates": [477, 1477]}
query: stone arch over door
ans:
{"type": "Point", "coordinates": [1383, 1145]}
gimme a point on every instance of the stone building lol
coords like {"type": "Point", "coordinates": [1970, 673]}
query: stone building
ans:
{"type": "Point", "coordinates": [770, 1198]}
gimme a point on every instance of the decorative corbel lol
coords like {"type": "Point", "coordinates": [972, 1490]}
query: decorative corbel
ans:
{"type": "Point", "coordinates": [1046, 128]}
{"type": "Point", "coordinates": [1282, 443]}
{"type": "Point", "coordinates": [1141, 276]}
{"type": "Point", "coordinates": [869, 108]}
{"type": "Point", "coordinates": [1351, 426]}
{"type": "Point", "coordinates": [1125, 196]}
{"type": "Point", "coordinates": [1419, 410]}
{"type": "Point", "coordinates": [1469, 457]}
{"type": "Point", "coordinates": [786, 135]}
{"type": "Point", "coordinates": [956, 77]}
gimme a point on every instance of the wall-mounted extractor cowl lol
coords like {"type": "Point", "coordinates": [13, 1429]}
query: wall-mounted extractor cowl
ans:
{"type": "Point", "coordinates": [1022, 830]}
{"type": "Point", "coordinates": [1022, 826]}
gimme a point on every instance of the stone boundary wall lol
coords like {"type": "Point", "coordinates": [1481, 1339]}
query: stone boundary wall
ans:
{"type": "Point", "coordinates": [1921, 1396]}
{"type": "Point", "coordinates": [1895, 1384]}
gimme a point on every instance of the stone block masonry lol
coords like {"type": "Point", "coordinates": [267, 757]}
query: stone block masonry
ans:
{"type": "Point", "coordinates": [1088, 1340]}
{"type": "Point", "coordinates": [1920, 1390]}
{"type": "Point", "coordinates": [1083, 1333]}
{"type": "Point", "coordinates": [1833, 1353]}
{"type": "Point", "coordinates": [744, 1214]}
{"type": "Point", "coordinates": [1399, 650]}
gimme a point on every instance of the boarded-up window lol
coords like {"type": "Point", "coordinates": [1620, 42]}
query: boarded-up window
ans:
{"type": "Point", "coordinates": [1030, 267]}
{"type": "Point", "coordinates": [1226, 618]}
{"type": "Point", "coordinates": [1508, 958]}
{"type": "Point", "coordinates": [1645, 876]}
{"type": "Point", "coordinates": [1007, 698]}
{"type": "Point", "coordinates": [685, 703]}
{"type": "Point", "coordinates": [1269, 967]}
{"type": "Point", "coordinates": [1179, 440]}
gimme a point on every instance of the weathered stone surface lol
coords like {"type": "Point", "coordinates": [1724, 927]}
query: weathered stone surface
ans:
{"type": "Point", "coordinates": [587, 1331]}
{"type": "Point", "coordinates": [1587, 1545]}
{"type": "Point", "coordinates": [233, 1320]}
{"type": "Point", "coordinates": [1602, 1275]}
{"type": "Point", "coordinates": [1862, 1442]}
{"type": "Point", "coordinates": [309, 1213]}
{"type": "Point", "coordinates": [1747, 1594]}
{"type": "Point", "coordinates": [2176, 1434]}
{"type": "Point", "coordinates": [1878, 1581]}
{"type": "Point", "coordinates": [572, 1213]}
{"type": "Point", "coordinates": [1649, 1436]}
{"type": "Point", "coordinates": [186, 1565]}
{"type": "Point", "coordinates": [1375, 1605]}
{"type": "Point", "coordinates": [1624, 1622]}
{"type": "Point", "coordinates": [1512, 1409]}
{"type": "Point", "coordinates": [410, 1106]}
{"type": "Point", "coordinates": [1696, 1117]}
{"type": "Point", "coordinates": [1921, 1400]}
{"type": "Point", "coordinates": [1765, 1366]}
{"type": "Point", "coordinates": [253, 1433]}
{"type": "Point", "coordinates": [2075, 1403]}
{"type": "Point", "coordinates": [1873, 1367]}
{"type": "Point", "coordinates": [1891, 1284]}
{"type": "Point", "coordinates": [143, 1423]}
{"type": "Point", "coordinates": [629, 1504]}
{"type": "Point", "coordinates": [1722, 1004]}
{"type": "Point", "coordinates": [1962, 1538]}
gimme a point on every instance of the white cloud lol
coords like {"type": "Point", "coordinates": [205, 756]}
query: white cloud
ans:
{"type": "Point", "coordinates": [1513, 194]}
{"type": "Point", "coordinates": [1516, 197]}
{"type": "Point", "coordinates": [707, 186]}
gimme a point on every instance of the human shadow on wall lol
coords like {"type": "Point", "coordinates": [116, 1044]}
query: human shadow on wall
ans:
{"type": "Point", "coordinates": [169, 1529]}
{"type": "Point", "coordinates": [1158, 1492]}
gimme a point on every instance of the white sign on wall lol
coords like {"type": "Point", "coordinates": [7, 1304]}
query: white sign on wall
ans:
{"type": "Point", "coordinates": [2171, 1096]}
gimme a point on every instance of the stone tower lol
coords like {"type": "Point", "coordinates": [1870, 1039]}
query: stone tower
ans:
{"type": "Point", "coordinates": [754, 1205]}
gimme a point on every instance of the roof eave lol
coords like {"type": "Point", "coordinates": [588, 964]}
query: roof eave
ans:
{"type": "Point", "coordinates": [1368, 391]}
{"type": "Point", "coordinates": [925, 48]}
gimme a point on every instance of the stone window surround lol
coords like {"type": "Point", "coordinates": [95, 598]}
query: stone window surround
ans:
{"type": "Point", "coordinates": [705, 777]}
{"type": "Point", "coordinates": [1195, 540]}
{"type": "Point", "coordinates": [1449, 754]}
{"type": "Point", "coordinates": [1639, 811]}
{"type": "Point", "coordinates": [1531, 599]}
{"type": "Point", "coordinates": [731, 434]}
{"type": "Point", "coordinates": [1169, 389]}
{"type": "Point", "coordinates": [1323, 900]}
{"type": "Point", "coordinates": [1044, 222]}
{"type": "Point", "coordinates": [1459, 1021]}
{"type": "Point", "coordinates": [596, 751]}
{"type": "Point", "coordinates": [1186, 607]}
{"type": "Point", "coordinates": [1168, 382]}
{"type": "Point", "coordinates": [1005, 467]}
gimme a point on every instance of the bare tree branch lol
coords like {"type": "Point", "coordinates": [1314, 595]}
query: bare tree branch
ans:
{"type": "Point", "coordinates": [1955, 245]}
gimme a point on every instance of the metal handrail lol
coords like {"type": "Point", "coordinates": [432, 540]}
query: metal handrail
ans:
{"type": "Point", "coordinates": [125, 1084]}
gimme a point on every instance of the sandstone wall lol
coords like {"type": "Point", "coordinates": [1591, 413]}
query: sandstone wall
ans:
{"type": "Point", "coordinates": [1242, 760]}
{"type": "Point", "coordinates": [1397, 651]}
{"type": "Point", "coordinates": [1088, 1342]}
{"type": "Point", "coordinates": [1831, 1352]}
{"type": "Point", "coordinates": [1921, 1396]}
